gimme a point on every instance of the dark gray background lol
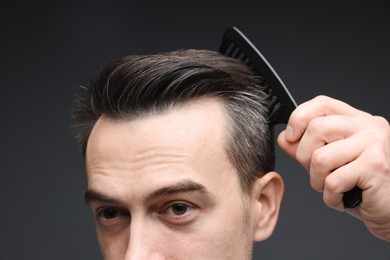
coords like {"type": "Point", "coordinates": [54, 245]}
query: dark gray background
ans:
{"type": "Point", "coordinates": [48, 49]}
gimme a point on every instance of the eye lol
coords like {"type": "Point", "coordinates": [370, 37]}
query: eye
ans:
{"type": "Point", "coordinates": [179, 213]}
{"type": "Point", "coordinates": [178, 209]}
{"type": "Point", "coordinates": [108, 213]}
{"type": "Point", "coordinates": [111, 216]}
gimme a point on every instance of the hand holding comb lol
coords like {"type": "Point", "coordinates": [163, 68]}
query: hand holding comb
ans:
{"type": "Point", "coordinates": [236, 45]}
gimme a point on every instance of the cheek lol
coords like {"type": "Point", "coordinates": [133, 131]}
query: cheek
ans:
{"type": "Point", "coordinates": [226, 236]}
{"type": "Point", "coordinates": [113, 246]}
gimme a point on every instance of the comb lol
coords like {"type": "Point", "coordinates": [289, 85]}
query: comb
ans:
{"type": "Point", "coordinates": [281, 104]}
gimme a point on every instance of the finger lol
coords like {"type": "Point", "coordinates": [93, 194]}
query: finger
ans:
{"type": "Point", "coordinates": [318, 107]}
{"type": "Point", "coordinates": [336, 184]}
{"type": "Point", "coordinates": [345, 178]}
{"type": "Point", "coordinates": [289, 147]}
{"type": "Point", "coordinates": [331, 157]}
{"type": "Point", "coordinates": [322, 131]}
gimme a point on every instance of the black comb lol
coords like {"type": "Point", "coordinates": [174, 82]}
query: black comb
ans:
{"type": "Point", "coordinates": [281, 104]}
{"type": "Point", "coordinates": [236, 45]}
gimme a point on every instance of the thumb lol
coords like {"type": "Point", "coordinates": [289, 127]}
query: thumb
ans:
{"type": "Point", "coordinates": [289, 147]}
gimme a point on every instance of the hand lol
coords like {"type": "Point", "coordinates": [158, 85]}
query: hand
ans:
{"type": "Point", "coordinates": [343, 147]}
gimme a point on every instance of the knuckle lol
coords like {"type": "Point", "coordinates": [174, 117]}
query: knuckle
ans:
{"type": "Point", "coordinates": [331, 185]}
{"type": "Point", "coordinates": [381, 121]}
{"type": "Point", "coordinates": [322, 98]}
{"type": "Point", "coordinates": [378, 161]}
{"type": "Point", "coordinates": [298, 115]}
{"type": "Point", "coordinates": [319, 159]}
{"type": "Point", "coordinates": [315, 126]}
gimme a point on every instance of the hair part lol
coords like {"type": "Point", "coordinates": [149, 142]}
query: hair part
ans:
{"type": "Point", "coordinates": [143, 85]}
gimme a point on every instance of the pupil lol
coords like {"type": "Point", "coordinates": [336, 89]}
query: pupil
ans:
{"type": "Point", "coordinates": [110, 213]}
{"type": "Point", "coordinates": [179, 209]}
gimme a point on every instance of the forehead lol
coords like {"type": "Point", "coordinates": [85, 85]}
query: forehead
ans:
{"type": "Point", "coordinates": [186, 142]}
{"type": "Point", "coordinates": [200, 123]}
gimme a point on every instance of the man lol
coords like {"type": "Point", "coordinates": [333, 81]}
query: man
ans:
{"type": "Point", "coordinates": [179, 157]}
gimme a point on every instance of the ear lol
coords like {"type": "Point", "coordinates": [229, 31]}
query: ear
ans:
{"type": "Point", "coordinates": [268, 193]}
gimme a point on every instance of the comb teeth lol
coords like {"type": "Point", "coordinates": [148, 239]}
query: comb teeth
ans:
{"type": "Point", "coordinates": [230, 49]}
{"type": "Point", "coordinates": [280, 103]}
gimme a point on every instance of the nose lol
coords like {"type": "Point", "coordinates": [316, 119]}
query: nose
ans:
{"type": "Point", "coordinates": [143, 242]}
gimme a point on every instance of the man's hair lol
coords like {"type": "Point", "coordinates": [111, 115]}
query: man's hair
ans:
{"type": "Point", "coordinates": [142, 85]}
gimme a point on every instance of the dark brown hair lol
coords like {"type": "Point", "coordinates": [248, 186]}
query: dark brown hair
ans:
{"type": "Point", "coordinates": [144, 85]}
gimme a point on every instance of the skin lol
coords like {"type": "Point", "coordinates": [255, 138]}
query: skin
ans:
{"type": "Point", "coordinates": [320, 135]}
{"type": "Point", "coordinates": [162, 187]}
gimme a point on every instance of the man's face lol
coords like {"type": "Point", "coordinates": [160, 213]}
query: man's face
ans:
{"type": "Point", "coordinates": [162, 187]}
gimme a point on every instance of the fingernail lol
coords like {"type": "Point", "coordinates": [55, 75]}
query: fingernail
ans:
{"type": "Point", "coordinates": [289, 134]}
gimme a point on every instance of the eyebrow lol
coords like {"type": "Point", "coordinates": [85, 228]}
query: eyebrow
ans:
{"type": "Point", "coordinates": [185, 186]}
{"type": "Point", "coordinates": [92, 195]}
